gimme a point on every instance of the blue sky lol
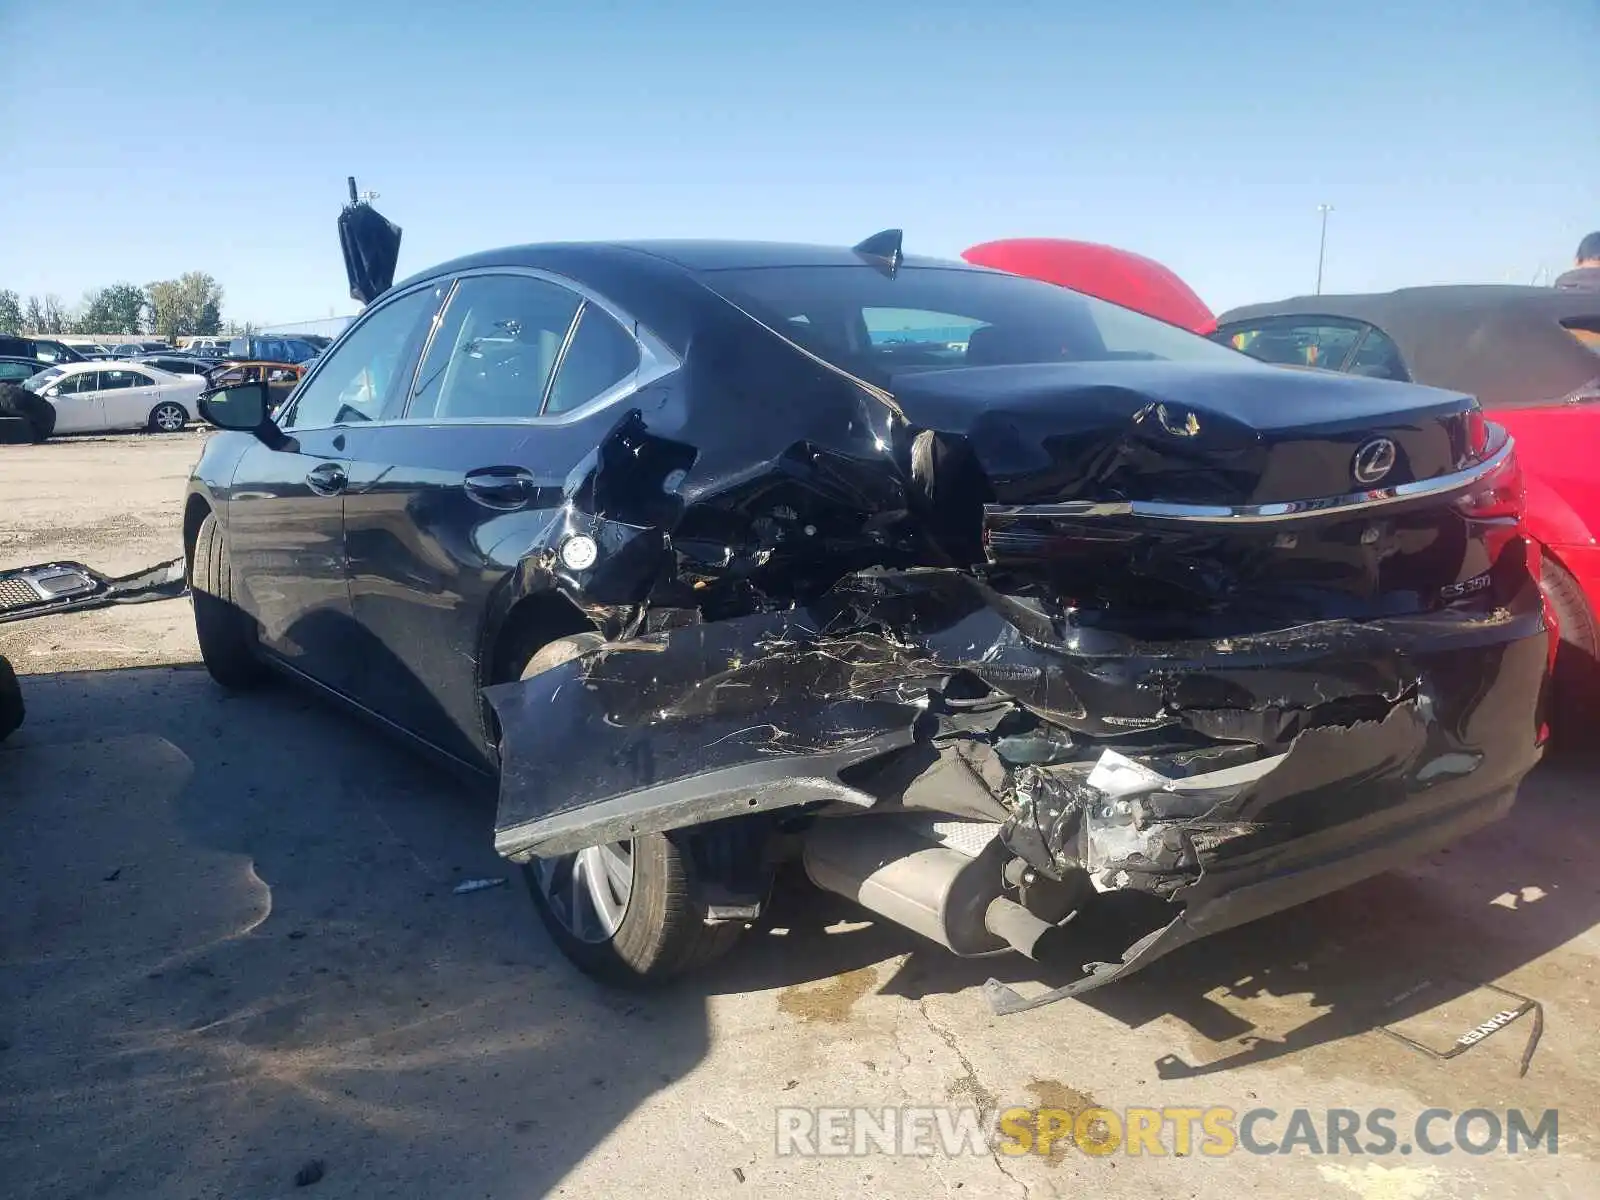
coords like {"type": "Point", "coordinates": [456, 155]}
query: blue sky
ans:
{"type": "Point", "coordinates": [1457, 140]}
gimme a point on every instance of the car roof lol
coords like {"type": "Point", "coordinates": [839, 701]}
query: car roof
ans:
{"type": "Point", "coordinates": [101, 364]}
{"type": "Point", "coordinates": [661, 284]}
{"type": "Point", "coordinates": [690, 254]}
{"type": "Point", "coordinates": [732, 255]}
{"type": "Point", "coordinates": [1501, 342]}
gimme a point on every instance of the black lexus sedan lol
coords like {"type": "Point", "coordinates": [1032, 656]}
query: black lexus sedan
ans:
{"type": "Point", "coordinates": [984, 598]}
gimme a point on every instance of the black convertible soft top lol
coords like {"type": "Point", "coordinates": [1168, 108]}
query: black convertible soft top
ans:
{"type": "Point", "coordinates": [1506, 345]}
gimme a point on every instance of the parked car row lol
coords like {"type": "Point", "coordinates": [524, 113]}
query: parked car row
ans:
{"type": "Point", "coordinates": [153, 387]}
{"type": "Point", "coordinates": [45, 350]}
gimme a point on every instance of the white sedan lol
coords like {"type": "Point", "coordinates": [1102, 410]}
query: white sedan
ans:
{"type": "Point", "coordinates": [94, 397]}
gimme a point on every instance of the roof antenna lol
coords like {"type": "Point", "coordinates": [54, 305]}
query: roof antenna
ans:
{"type": "Point", "coordinates": [359, 197]}
{"type": "Point", "coordinates": [882, 250]}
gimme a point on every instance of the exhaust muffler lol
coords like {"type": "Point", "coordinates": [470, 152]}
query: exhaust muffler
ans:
{"type": "Point", "coordinates": [953, 897]}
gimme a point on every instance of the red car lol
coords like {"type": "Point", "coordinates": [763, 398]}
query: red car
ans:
{"type": "Point", "coordinates": [1532, 357]}
{"type": "Point", "coordinates": [1119, 276]}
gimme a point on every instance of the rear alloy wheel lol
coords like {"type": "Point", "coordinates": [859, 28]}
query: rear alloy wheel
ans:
{"type": "Point", "coordinates": [622, 912]}
{"type": "Point", "coordinates": [168, 417]}
{"type": "Point", "coordinates": [226, 634]}
{"type": "Point", "coordinates": [1576, 681]}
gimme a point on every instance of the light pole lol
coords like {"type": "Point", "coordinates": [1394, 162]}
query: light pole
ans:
{"type": "Point", "coordinates": [1322, 242]}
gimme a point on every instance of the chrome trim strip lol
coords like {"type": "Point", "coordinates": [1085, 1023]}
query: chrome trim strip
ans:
{"type": "Point", "coordinates": [1287, 510]}
{"type": "Point", "coordinates": [561, 357]}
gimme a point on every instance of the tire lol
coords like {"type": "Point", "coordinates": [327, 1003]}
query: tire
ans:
{"type": "Point", "coordinates": [12, 709]}
{"type": "Point", "coordinates": [1576, 681]}
{"type": "Point", "coordinates": [661, 933]}
{"type": "Point", "coordinates": [227, 636]}
{"type": "Point", "coordinates": [168, 417]}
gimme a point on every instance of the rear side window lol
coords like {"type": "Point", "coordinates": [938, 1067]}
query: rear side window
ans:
{"type": "Point", "coordinates": [494, 350]}
{"type": "Point", "coordinates": [11, 372]}
{"type": "Point", "coordinates": [1377, 357]}
{"type": "Point", "coordinates": [600, 355]}
{"type": "Point", "coordinates": [1299, 342]}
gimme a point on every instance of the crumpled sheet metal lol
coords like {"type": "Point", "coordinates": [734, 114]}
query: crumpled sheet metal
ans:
{"type": "Point", "coordinates": [708, 720]}
{"type": "Point", "coordinates": [164, 581]}
{"type": "Point", "coordinates": [1341, 803]}
{"type": "Point", "coordinates": [696, 723]}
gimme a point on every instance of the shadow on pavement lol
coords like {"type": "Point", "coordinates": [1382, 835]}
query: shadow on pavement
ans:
{"type": "Point", "coordinates": [229, 949]}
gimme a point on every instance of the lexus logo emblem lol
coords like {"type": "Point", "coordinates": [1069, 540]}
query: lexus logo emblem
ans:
{"type": "Point", "coordinates": [1374, 460]}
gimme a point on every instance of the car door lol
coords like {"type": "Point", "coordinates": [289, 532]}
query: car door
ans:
{"type": "Point", "coordinates": [443, 504]}
{"type": "Point", "coordinates": [285, 508]}
{"type": "Point", "coordinates": [127, 395]}
{"type": "Point", "coordinates": [77, 402]}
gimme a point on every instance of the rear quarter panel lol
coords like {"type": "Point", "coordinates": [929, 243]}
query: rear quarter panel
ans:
{"type": "Point", "coordinates": [1560, 452]}
{"type": "Point", "coordinates": [1559, 447]}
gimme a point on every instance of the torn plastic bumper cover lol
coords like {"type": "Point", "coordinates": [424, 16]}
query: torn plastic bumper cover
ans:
{"type": "Point", "coordinates": [1245, 775]}
{"type": "Point", "coordinates": [57, 587]}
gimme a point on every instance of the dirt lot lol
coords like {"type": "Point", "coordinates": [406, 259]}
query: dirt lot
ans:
{"type": "Point", "coordinates": [230, 953]}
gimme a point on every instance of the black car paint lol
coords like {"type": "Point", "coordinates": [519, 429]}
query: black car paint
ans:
{"type": "Point", "coordinates": [758, 523]}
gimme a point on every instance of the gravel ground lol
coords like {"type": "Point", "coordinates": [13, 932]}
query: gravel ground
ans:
{"type": "Point", "coordinates": [232, 965]}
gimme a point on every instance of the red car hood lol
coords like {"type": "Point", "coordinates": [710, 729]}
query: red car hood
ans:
{"type": "Point", "coordinates": [1120, 276]}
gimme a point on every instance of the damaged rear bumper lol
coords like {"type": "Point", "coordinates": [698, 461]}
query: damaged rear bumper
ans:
{"type": "Point", "coordinates": [1276, 766]}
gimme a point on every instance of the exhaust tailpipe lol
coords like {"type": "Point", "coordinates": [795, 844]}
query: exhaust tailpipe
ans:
{"type": "Point", "coordinates": [884, 864]}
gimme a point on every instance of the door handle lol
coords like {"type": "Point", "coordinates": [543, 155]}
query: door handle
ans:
{"type": "Point", "coordinates": [327, 479]}
{"type": "Point", "coordinates": [500, 487]}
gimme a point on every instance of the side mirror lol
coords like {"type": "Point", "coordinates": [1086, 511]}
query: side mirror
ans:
{"type": "Point", "coordinates": [243, 407]}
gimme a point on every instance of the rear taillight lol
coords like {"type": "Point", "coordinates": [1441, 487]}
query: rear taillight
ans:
{"type": "Point", "coordinates": [1499, 494]}
{"type": "Point", "coordinates": [1478, 432]}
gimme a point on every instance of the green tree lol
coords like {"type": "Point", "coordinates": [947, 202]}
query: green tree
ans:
{"type": "Point", "coordinates": [210, 322]}
{"type": "Point", "coordinates": [190, 304]}
{"type": "Point", "coordinates": [116, 309]}
{"type": "Point", "coordinates": [10, 312]}
{"type": "Point", "coordinates": [33, 316]}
